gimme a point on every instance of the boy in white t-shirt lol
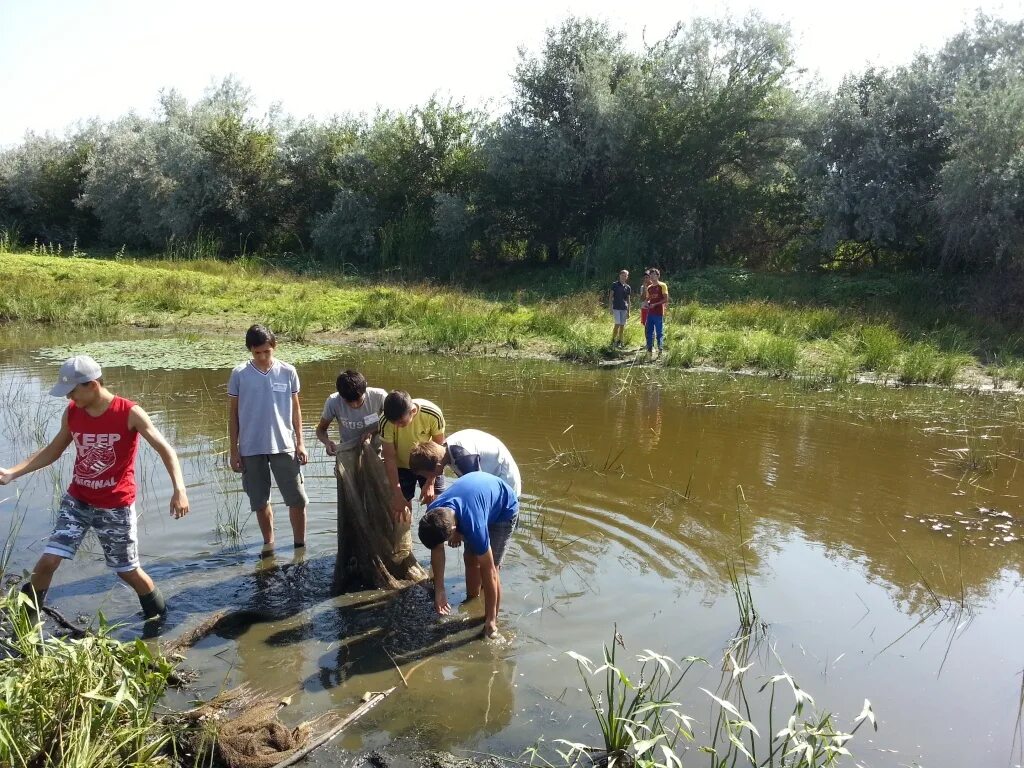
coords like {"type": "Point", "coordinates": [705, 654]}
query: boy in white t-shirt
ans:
{"type": "Point", "coordinates": [468, 450]}
{"type": "Point", "coordinates": [265, 434]}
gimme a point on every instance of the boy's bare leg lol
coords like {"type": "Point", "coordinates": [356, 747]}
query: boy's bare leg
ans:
{"type": "Point", "coordinates": [297, 516]}
{"type": "Point", "coordinates": [150, 597]}
{"type": "Point", "coordinates": [473, 579]}
{"type": "Point", "coordinates": [265, 518]}
{"type": "Point", "coordinates": [42, 574]}
{"type": "Point", "coordinates": [138, 580]}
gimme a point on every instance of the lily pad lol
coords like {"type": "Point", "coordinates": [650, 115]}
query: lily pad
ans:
{"type": "Point", "coordinates": [170, 353]}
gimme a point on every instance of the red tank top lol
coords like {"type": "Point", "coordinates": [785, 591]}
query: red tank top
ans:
{"type": "Point", "coordinates": [655, 292]}
{"type": "Point", "coordinates": [104, 474]}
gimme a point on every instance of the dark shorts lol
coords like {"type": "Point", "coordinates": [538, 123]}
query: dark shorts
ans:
{"type": "Point", "coordinates": [116, 529]}
{"type": "Point", "coordinates": [287, 472]}
{"type": "Point", "coordinates": [499, 534]}
{"type": "Point", "coordinates": [409, 480]}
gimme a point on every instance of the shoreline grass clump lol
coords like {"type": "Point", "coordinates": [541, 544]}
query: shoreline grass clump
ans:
{"type": "Point", "coordinates": [80, 702]}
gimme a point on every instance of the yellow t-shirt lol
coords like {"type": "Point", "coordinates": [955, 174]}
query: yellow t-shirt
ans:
{"type": "Point", "coordinates": [427, 424]}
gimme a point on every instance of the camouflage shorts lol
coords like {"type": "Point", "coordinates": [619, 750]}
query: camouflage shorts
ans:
{"type": "Point", "coordinates": [115, 528]}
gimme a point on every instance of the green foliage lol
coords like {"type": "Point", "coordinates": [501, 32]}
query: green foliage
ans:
{"type": "Point", "coordinates": [688, 348]}
{"type": "Point", "coordinates": [919, 364]}
{"type": "Point", "coordinates": [615, 247]}
{"type": "Point", "coordinates": [585, 343]}
{"type": "Point", "coordinates": [89, 702]}
{"type": "Point", "coordinates": [697, 149]}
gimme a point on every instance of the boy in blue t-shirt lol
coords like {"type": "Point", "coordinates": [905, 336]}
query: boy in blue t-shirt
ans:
{"type": "Point", "coordinates": [482, 511]}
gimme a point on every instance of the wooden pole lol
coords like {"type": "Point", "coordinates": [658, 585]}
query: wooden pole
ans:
{"type": "Point", "coordinates": [361, 710]}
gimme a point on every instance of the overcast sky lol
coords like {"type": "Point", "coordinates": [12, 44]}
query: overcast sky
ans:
{"type": "Point", "coordinates": [65, 60]}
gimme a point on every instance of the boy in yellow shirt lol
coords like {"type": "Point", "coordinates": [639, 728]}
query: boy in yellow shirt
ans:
{"type": "Point", "coordinates": [407, 422]}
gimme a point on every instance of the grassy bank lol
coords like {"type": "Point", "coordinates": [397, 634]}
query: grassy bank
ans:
{"type": "Point", "coordinates": [824, 329]}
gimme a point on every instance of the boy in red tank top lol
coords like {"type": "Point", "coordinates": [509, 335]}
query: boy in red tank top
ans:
{"type": "Point", "coordinates": [105, 429]}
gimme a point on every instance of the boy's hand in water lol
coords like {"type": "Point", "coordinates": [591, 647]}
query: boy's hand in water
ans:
{"type": "Point", "coordinates": [441, 603]}
{"type": "Point", "coordinates": [179, 504]}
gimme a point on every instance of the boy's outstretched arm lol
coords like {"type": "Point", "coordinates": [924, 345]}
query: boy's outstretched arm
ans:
{"type": "Point", "coordinates": [139, 420]}
{"type": "Point", "coordinates": [490, 583]}
{"type": "Point", "coordinates": [437, 558]}
{"type": "Point", "coordinates": [43, 457]}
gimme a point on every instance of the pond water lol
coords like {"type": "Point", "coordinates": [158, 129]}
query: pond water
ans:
{"type": "Point", "coordinates": [880, 530]}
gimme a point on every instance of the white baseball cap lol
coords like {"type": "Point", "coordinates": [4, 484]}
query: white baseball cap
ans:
{"type": "Point", "coordinates": [75, 371]}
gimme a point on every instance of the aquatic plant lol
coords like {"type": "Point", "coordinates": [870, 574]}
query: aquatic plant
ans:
{"type": "Point", "coordinates": [642, 722]}
{"type": "Point", "coordinates": [293, 321]}
{"type": "Point", "coordinates": [637, 717]}
{"type": "Point", "coordinates": [920, 364]}
{"type": "Point", "coordinates": [177, 353]}
{"type": "Point", "coordinates": [739, 577]}
{"type": "Point", "coordinates": [17, 519]}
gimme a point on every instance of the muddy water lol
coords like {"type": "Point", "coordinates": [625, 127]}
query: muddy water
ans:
{"type": "Point", "coordinates": [872, 524]}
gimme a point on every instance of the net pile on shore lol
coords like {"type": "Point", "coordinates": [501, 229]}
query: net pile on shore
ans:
{"type": "Point", "coordinates": [241, 728]}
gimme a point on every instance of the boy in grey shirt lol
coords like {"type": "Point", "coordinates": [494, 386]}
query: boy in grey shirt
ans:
{"type": "Point", "coordinates": [265, 434]}
{"type": "Point", "coordinates": [357, 408]}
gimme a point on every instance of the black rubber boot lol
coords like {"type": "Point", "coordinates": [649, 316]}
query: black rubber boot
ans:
{"type": "Point", "coordinates": [153, 605]}
{"type": "Point", "coordinates": [38, 597]}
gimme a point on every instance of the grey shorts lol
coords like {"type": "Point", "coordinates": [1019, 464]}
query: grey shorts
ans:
{"type": "Point", "coordinates": [116, 529]}
{"type": "Point", "coordinates": [499, 534]}
{"type": "Point", "coordinates": [620, 316]}
{"type": "Point", "coordinates": [287, 472]}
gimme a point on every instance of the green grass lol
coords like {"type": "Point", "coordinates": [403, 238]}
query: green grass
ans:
{"type": "Point", "coordinates": [729, 319]}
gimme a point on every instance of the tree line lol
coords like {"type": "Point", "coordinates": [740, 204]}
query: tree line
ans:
{"type": "Point", "coordinates": [705, 147]}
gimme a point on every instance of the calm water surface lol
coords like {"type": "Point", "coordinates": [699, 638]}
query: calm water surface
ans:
{"type": "Point", "coordinates": [870, 521]}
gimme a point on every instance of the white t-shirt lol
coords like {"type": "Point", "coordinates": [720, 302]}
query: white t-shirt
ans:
{"type": "Point", "coordinates": [471, 450]}
{"type": "Point", "coordinates": [264, 407]}
{"type": "Point", "coordinates": [354, 422]}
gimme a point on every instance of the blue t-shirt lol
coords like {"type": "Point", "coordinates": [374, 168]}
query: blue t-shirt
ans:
{"type": "Point", "coordinates": [479, 500]}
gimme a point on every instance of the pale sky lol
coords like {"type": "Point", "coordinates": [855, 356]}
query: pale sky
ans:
{"type": "Point", "coordinates": [66, 60]}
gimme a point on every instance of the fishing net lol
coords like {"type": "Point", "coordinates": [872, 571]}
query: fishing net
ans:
{"type": "Point", "coordinates": [240, 728]}
{"type": "Point", "coordinates": [373, 551]}
{"type": "Point", "coordinates": [256, 738]}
